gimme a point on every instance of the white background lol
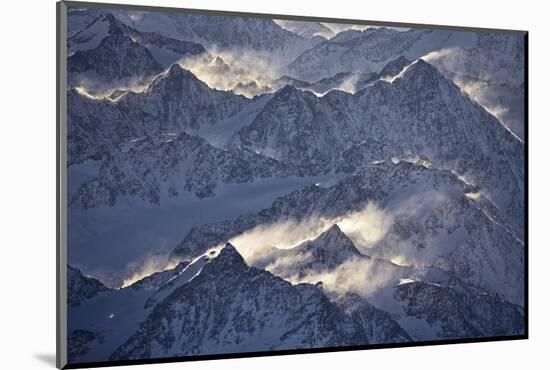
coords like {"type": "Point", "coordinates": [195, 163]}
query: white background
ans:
{"type": "Point", "coordinates": [27, 183]}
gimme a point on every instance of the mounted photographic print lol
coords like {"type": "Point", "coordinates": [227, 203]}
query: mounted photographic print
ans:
{"type": "Point", "coordinates": [235, 184]}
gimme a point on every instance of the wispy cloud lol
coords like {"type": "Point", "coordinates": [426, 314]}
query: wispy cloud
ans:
{"type": "Point", "coordinates": [367, 226]}
{"type": "Point", "coordinates": [147, 266]}
{"type": "Point", "coordinates": [364, 227]}
{"type": "Point", "coordinates": [250, 72]}
{"type": "Point", "coordinates": [260, 244]}
{"type": "Point", "coordinates": [361, 276]}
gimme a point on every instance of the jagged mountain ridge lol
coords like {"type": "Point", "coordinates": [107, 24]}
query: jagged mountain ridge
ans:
{"type": "Point", "coordinates": [108, 53]}
{"type": "Point", "coordinates": [327, 251]}
{"type": "Point", "coordinates": [224, 328]}
{"type": "Point", "coordinates": [154, 169]}
{"type": "Point", "coordinates": [116, 59]}
{"type": "Point", "coordinates": [254, 296]}
{"type": "Point", "coordinates": [81, 288]}
{"type": "Point", "coordinates": [448, 307]}
{"type": "Point", "coordinates": [489, 66]}
{"type": "Point", "coordinates": [419, 113]}
{"type": "Point", "coordinates": [255, 293]}
{"type": "Point", "coordinates": [486, 253]}
{"type": "Point", "coordinates": [306, 29]}
{"type": "Point", "coordinates": [369, 50]}
{"type": "Point", "coordinates": [350, 82]}
{"type": "Point", "coordinates": [258, 36]}
{"type": "Point", "coordinates": [175, 101]}
{"type": "Point", "coordinates": [418, 188]}
{"type": "Point", "coordinates": [457, 313]}
{"type": "Point", "coordinates": [105, 321]}
{"type": "Point", "coordinates": [493, 73]}
{"type": "Point", "coordinates": [397, 81]}
{"type": "Point", "coordinates": [137, 114]}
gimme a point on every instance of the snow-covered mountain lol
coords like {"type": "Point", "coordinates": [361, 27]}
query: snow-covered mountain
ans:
{"type": "Point", "coordinates": [108, 54]}
{"type": "Point", "coordinates": [259, 37]}
{"type": "Point", "coordinates": [154, 169]}
{"type": "Point", "coordinates": [81, 288]}
{"type": "Point", "coordinates": [480, 247]}
{"type": "Point", "coordinates": [218, 74]}
{"type": "Point", "coordinates": [116, 60]}
{"type": "Point", "coordinates": [350, 82]}
{"type": "Point", "coordinates": [212, 305]}
{"type": "Point", "coordinates": [492, 72]}
{"type": "Point", "coordinates": [241, 184]}
{"type": "Point", "coordinates": [175, 101]}
{"type": "Point", "coordinates": [231, 298]}
{"type": "Point", "coordinates": [456, 313]}
{"type": "Point", "coordinates": [101, 324]}
{"type": "Point", "coordinates": [418, 114]}
{"type": "Point", "coordinates": [488, 66]}
{"type": "Point", "coordinates": [440, 303]}
{"type": "Point", "coordinates": [80, 18]}
{"type": "Point", "coordinates": [327, 251]}
{"type": "Point", "coordinates": [306, 29]}
{"type": "Point", "coordinates": [294, 127]}
{"type": "Point", "coordinates": [370, 50]}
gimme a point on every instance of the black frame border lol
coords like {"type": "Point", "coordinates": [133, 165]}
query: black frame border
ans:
{"type": "Point", "coordinates": [61, 348]}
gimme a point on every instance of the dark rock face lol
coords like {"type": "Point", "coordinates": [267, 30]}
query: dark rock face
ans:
{"type": "Point", "coordinates": [79, 343]}
{"type": "Point", "coordinates": [376, 324]}
{"type": "Point", "coordinates": [394, 67]}
{"type": "Point", "coordinates": [133, 61]}
{"type": "Point", "coordinates": [456, 314]}
{"type": "Point", "coordinates": [81, 288]}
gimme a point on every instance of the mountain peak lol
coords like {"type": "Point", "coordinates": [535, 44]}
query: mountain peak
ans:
{"type": "Point", "coordinates": [287, 90]}
{"type": "Point", "coordinates": [333, 240]}
{"type": "Point", "coordinates": [290, 92]}
{"type": "Point", "coordinates": [177, 70]}
{"type": "Point", "coordinates": [333, 231]}
{"type": "Point", "coordinates": [176, 75]}
{"type": "Point", "coordinates": [394, 67]}
{"type": "Point", "coordinates": [227, 262]}
{"type": "Point", "coordinates": [334, 235]}
{"type": "Point", "coordinates": [421, 66]}
{"type": "Point", "coordinates": [230, 257]}
{"type": "Point", "coordinates": [81, 287]}
{"type": "Point", "coordinates": [106, 17]}
{"type": "Point", "coordinates": [115, 25]}
{"type": "Point", "coordinates": [420, 74]}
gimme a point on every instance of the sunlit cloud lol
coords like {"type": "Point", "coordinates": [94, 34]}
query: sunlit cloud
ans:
{"type": "Point", "coordinates": [259, 244]}
{"type": "Point", "coordinates": [250, 72]}
{"type": "Point", "coordinates": [367, 226]}
{"type": "Point", "coordinates": [364, 227]}
{"type": "Point", "coordinates": [147, 266]}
